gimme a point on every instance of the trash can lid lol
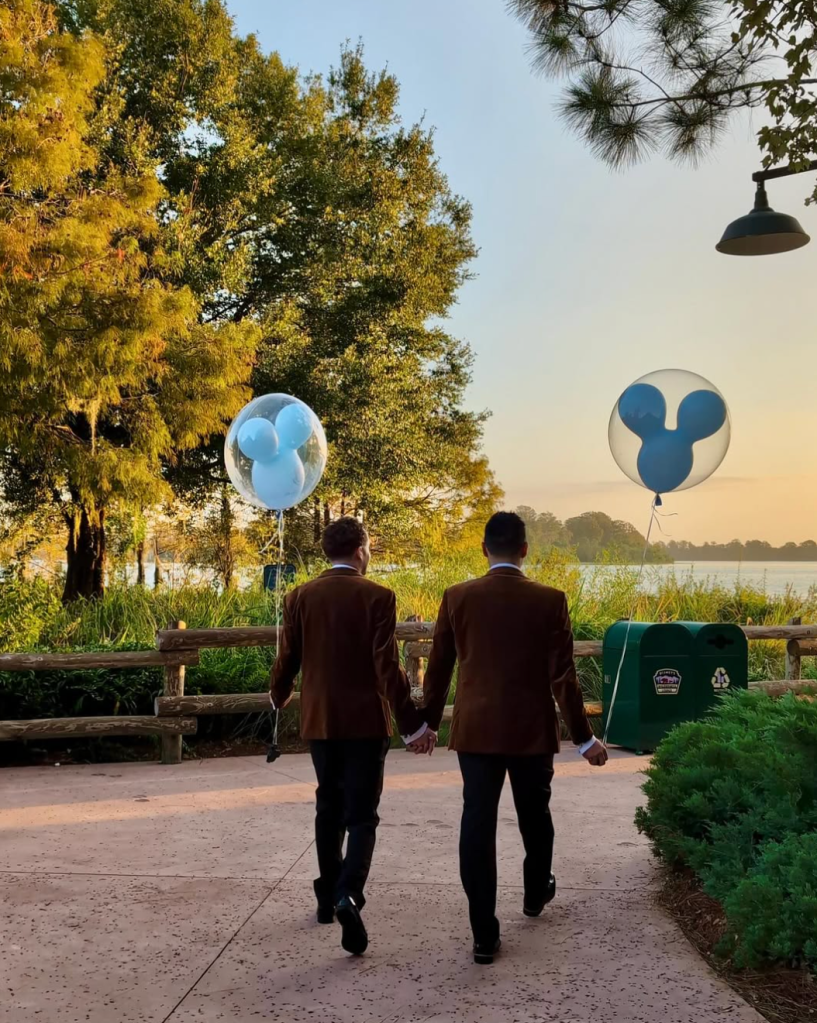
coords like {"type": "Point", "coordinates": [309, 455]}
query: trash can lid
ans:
{"type": "Point", "coordinates": [722, 636]}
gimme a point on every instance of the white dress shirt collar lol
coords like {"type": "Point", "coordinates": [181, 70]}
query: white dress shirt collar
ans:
{"type": "Point", "coordinates": [505, 564]}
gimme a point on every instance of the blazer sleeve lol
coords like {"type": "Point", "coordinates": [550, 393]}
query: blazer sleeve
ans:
{"type": "Point", "coordinates": [392, 678]}
{"type": "Point", "coordinates": [440, 668]}
{"type": "Point", "coordinates": [288, 660]}
{"type": "Point", "coordinates": [563, 678]}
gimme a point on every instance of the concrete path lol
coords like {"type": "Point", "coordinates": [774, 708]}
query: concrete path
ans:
{"type": "Point", "coordinates": [145, 894]}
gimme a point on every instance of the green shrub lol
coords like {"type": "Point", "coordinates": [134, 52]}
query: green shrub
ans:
{"type": "Point", "coordinates": [773, 910]}
{"type": "Point", "coordinates": [734, 798]}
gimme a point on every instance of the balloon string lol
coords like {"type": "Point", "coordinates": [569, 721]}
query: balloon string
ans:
{"type": "Point", "coordinates": [279, 571]}
{"type": "Point", "coordinates": [653, 513]}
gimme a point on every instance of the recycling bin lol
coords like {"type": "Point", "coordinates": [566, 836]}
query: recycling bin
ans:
{"type": "Point", "coordinates": [655, 690]}
{"type": "Point", "coordinates": [721, 654]}
{"type": "Point", "coordinates": [670, 673]}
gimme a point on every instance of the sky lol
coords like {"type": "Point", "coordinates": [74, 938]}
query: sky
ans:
{"type": "Point", "coordinates": [586, 278]}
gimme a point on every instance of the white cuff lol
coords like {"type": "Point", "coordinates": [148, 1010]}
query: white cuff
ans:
{"type": "Point", "coordinates": [408, 739]}
{"type": "Point", "coordinates": [585, 746]}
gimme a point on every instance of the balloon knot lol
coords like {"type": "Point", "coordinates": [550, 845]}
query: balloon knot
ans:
{"type": "Point", "coordinates": [658, 502]}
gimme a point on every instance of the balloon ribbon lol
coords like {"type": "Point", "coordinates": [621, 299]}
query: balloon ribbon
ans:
{"type": "Point", "coordinates": [657, 503]}
{"type": "Point", "coordinates": [274, 751]}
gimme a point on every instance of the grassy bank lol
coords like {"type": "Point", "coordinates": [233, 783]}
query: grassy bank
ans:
{"type": "Point", "coordinates": [33, 619]}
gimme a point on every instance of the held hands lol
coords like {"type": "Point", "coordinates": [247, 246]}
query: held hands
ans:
{"type": "Point", "coordinates": [597, 754]}
{"type": "Point", "coordinates": [425, 744]}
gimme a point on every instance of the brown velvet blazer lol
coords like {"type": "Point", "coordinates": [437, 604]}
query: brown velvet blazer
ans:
{"type": "Point", "coordinates": [514, 643]}
{"type": "Point", "coordinates": [338, 631]}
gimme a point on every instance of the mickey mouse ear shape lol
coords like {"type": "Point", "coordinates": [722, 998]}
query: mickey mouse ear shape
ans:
{"type": "Point", "coordinates": [643, 410]}
{"type": "Point", "coordinates": [701, 414]}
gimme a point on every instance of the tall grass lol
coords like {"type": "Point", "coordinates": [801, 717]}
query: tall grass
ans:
{"type": "Point", "coordinates": [32, 618]}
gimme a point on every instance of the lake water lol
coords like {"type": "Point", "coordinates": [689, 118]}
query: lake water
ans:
{"type": "Point", "coordinates": [775, 577]}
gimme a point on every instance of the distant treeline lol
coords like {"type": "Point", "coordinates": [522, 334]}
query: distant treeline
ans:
{"type": "Point", "coordinates": [752, 550]}
{"type": "Point", "coordinates": [593, 535]}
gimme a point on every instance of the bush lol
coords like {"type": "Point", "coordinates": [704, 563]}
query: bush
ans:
{"type": "Point", "coordinates": [734, 798]}
{"type": "Point", "coordinates": [774, 909]}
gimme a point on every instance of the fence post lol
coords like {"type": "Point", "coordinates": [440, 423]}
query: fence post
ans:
{"type": "Point", "coordinates": [793, 665]}
{"type": "Point", "coordinates": [173, 686]}
{"type": "Point", "coordinates": [415, 672]}
{"type": "Point", "coordinates": [414, 666]}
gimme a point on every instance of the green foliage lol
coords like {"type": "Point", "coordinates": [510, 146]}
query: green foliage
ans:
{"type": "Point", "coordinates": [734, 798]}
{"type": "Point", "coordinates": [307, 207]}
{"type": "Point", "coordinates": [735, 550]}
{"type": "Point", "coordinates": [126, 618]}
{"type": "Point", "coordinates": [107, 367]}
{"type": "Point", "coordinates": [774, 908]}
{"type": "Point", "coordinates": [645, 75]}
{"type": "Point", "coordinates": [594, 537]}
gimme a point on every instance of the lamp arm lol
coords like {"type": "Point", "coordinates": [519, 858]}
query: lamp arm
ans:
{"type": "Point", "coordinates": [782, 172]}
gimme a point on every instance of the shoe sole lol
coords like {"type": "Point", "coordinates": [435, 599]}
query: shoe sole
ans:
{"type": "Point", "coordinates": [538, 912]}
{"type": "Point", "coordinates": [355, 940]}
{"type": "Point", "coordinates": [487, 958]}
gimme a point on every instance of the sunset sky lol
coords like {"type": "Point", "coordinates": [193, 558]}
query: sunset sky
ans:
{"type": "Point", "coordinates": [588, 279]}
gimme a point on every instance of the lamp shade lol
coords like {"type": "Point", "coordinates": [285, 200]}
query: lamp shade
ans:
{"type": "Point", "coordinates": [762, 232]}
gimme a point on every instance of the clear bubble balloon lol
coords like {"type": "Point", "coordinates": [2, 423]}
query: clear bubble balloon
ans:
{"type": "Point", "coordinates": [280, 479]}
{"type": "Point", "coordinates": [670, 430]}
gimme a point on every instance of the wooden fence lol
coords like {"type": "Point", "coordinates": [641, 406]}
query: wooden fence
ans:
{"type": "Point", "coordinates": [176, 714]}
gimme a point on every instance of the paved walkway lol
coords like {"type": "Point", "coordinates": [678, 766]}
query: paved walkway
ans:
{"type": "Point", "coordinates": [145, 894]}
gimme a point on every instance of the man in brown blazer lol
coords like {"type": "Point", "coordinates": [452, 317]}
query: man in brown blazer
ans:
{"type": "Point", "coordinates": [514, 643]}
{"type": "Point", "coordinates": [338, 632]}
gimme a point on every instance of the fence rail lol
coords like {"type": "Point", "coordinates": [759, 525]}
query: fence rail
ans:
{"type": "Point", "coordinates": [178, 647]}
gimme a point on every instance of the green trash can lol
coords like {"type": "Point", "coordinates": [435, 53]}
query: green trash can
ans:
{"type": "Point", "coordinates": [721, 654]}
{"type": "Point", "coordinates": [656, 689]}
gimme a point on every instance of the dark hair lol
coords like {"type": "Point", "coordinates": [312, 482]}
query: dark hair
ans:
{"type": "Point", "coordinates": [505, 534]}
{"type": "Point", "coordinates": [342, 538]}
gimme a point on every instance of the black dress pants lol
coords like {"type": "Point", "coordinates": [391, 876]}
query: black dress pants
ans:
{"type": "Point", "coordinates": [350, 782]}
{"type": "Point", "coordinates": [483, 775]}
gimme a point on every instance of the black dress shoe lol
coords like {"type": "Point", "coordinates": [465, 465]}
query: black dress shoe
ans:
{"type": "Point", "coordinates": [484, 953]}
{"type": "Point", "coordinates": [530, 908]}
{"type": "Point", "coordinates": [326, 914]}
{"type": "Point", "coordinates": [355, 940]}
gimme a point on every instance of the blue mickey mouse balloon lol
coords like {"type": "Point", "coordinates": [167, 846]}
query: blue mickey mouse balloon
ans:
{"type": "Point", "coordinates": [670, 430]}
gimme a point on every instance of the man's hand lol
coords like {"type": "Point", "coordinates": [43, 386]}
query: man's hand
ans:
{"type": "Point", "coordinates": [597, 754]}
{"type": "Point", "coordinates": [425, 744]}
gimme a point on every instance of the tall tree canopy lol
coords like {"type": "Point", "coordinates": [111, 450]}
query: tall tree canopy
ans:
{"type": "Point", "coordinates": [649, 75]}
{"type": "Point", "coordinates": [309, 207]}
{"type": "Point", "coordinates": [184, 221]}
{"type": "Point", "coordinates": [107, 367]}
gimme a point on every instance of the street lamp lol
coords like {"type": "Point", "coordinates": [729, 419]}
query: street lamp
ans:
{"type": "Point", "coordinates": [764, 232]}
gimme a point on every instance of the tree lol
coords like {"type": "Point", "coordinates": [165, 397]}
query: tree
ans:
{"type": "Point", "coordinates": [307, 207]}
{"type": "Point", "coordinates": [218, 543]}
{"type": "Point", "coordinates": [107, 366]}
{"type": "Point", "coordinates": [353, 243]}
{"type": "Point", "coordinates": [649, 75]}
{"type": "Point", "coordinates": [310, 208]}
{"type": "Point", "coordinates": [587, 533]}
{"type": "Point", "coordinates": [595, 534]}
{"type": "Point", "coordinates": [543, 528]}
